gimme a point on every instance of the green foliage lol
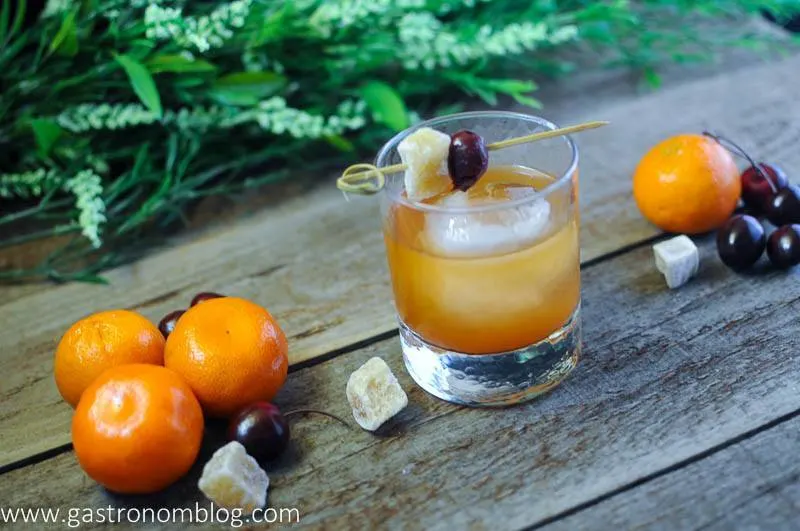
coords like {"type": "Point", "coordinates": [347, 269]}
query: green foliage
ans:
{"type": "Point", "coordinates": [66, 40]}
{"type": "Point", "coordinates": [117, 114]}
{"type": "Point", "coordinates": [9, 27]}
{"type": "Point", "coordinates": [142, 83]}
{"type": "Point", "coordinates": [386, 104]}
{"type": "Point", "coordinates": [245, 89]}
{"type": "Point", "coordinates": [47, 133]}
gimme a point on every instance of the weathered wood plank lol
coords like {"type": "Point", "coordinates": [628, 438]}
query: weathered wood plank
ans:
{"type": "Point", "coordinates": [317, 262]}
{"type": "Point", "coordinates": [750, 485]}
{"type": "Point", "coordinates": [666, 376]}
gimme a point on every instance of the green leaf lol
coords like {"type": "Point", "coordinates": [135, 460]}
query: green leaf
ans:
{"type": "Point", "coordinates": [451, 108]}
{"type": "Point", "coordinates": [652, 78]}
{"type": "Point", "coordinates": [7, 32]}
{"type": "Point", "coordinates": [142, 83]}
{"type": "Point", "coordinates": [188, 82]}
{"type": "Point", "coordinates": [66, 40]}
{"type": "Point", "coordinates": [527, 100]}
{"type": "Point", "coordinates": [178, 64]}
{"type": "Point", "coordinates": [489, 96]}
{"type": "Point", "coordinates": [512, 85]}
{"type": "Point", "coordinates": [90, 278]}
{"type": "Point", "coordinates": [386, 104]}
{"type": "Point", "coordinates": [517, 89]}
{"type": "Point", "coordinates": [139, 49]}
{"type": "Point", "coordinates": [46, 132]}
{"type": "Point", "coordinates": [340, 143]}
{"type": "Point", "coordinates": [19, 18]}
{"type": "Point", "coordinates": [246, 88]}
{"type": "Point", "coordinates": [5, 13]}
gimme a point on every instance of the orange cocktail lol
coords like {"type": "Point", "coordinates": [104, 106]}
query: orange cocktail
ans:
{"type": "Point", "coordinates": [498, 295]}
{"type": "Point", "coordinates": [486, 278]}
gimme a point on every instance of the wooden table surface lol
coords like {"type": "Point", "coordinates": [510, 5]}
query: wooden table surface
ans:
{"type": "Point", "coordinates": [683, 413]}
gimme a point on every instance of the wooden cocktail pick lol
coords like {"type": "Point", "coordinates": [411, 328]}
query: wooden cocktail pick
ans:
{"type": "Point", "coordinates": [368, 179]}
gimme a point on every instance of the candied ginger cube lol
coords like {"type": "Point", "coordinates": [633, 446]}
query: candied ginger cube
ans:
{"type": "Point", "coordinates": [233, 479]}
{"type": "Point", "coordinates": [677, 259]}
{"type": "Point", "coordinates": [374, 394]}
{"type": "Point", "coordinates": [424, 152]}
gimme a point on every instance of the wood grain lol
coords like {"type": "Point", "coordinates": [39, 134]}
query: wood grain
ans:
{"type": "Point", "coordinates": [753, 484]}
{"type": "Point", "coordinates": [667, 376]}
{"type": "Point", "coordinates": [317, 262]}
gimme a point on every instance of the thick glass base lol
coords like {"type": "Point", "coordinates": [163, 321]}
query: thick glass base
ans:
{"type": "Point", "coordinates": [500, 379]}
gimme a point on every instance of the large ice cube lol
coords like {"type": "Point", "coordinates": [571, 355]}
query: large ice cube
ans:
{"type": "Point", "coordinates": [463, 234]}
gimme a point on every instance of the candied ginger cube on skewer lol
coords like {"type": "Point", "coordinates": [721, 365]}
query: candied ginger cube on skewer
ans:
{"type": "Point", "coordinates": [424, 152]}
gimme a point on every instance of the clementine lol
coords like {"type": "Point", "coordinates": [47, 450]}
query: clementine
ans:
{"type": "Point", "coordinates": [231, 352]}
{"type": "Point", "coordinates": [102, 341]}
{"type": "Point", "coordinates": [687, 184]}
{"type": "Point", "coordinates": [137, 429]}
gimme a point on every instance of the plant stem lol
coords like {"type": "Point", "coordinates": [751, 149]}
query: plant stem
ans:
{"type": "Point", "coordinates": [32, 211]}
{"type": "Point", "coordinates": [317, 412]}
{"type": "Point", "coordinates": [45, 233]}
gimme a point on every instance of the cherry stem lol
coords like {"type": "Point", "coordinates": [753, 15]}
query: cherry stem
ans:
{"type": "Point", "coordinates": [318, 412]}
{"type": "Point", "coordinates": [734, 148]}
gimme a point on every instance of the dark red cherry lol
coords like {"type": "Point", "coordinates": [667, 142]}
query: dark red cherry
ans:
{"type": "Point", "coordinates": [262, 429]}
{"type": "Point", "coordinates": [784, 208]}
{"type": "Point", "coordinates": [167, 324]}
{"type": "Point", "coordinates": [759, 187]}
{"type": "Point", "coordinates": [467, 160]}
{"type": "Point", "coordinates": [783, 246]}
{"type": "Point", "coordinates": [204, 296]}
{"type": "Point", "coordinates": [740, 242]}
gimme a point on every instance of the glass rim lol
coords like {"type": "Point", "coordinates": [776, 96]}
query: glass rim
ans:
{"type": "Point", "coordinates": [558, 182]}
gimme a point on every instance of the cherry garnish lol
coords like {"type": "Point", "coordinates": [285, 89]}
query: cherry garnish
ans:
{"type": "Point", "coordinates": [467, 160]}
